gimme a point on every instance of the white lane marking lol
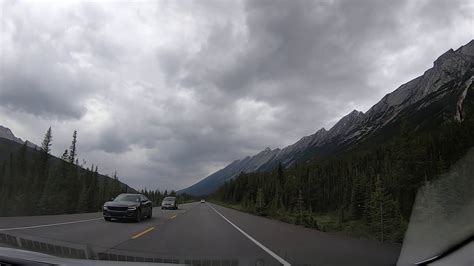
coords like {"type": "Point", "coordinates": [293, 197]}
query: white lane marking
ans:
{"type": "Point", "coordinates": [273, 254]}
{"type": "Point", "coordinates": [48, 225]}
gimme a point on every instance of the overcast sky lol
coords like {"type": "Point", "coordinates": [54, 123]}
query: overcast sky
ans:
{"type": "Point", "coordinates": [167, 92]}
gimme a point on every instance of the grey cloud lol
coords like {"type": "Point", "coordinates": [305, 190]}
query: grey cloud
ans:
{"type": "Point", "coordinates": [297, 55]}
{"type": "Point", "coordinates": [44, 89]}
{"type": "Point", "coordinates": [43, 77]}
{"type": "Point", "coordinates": [25, 95]}
{"type": "Point", "coordinates": [112, 142]}
{"type": "Point", "coordinates": [301, 41]}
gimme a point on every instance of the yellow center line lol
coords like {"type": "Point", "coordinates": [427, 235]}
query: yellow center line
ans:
{"type": "Point", "coordinates": [143, 232]}
{"type": "Point", "coordinates": [172, 217]}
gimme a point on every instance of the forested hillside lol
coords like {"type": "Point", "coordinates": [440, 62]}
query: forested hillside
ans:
{"type": "Point", "coordinates": [33, 182]}
{"type": "Point", "coordinates": [370, 188]}
{"type": "Point", "coordinates": [374, 185]}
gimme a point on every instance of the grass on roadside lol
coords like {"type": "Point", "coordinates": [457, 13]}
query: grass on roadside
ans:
{"type": "Point", "coordinates": [329, 222]}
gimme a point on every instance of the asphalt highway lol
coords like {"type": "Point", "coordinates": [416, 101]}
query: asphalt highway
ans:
{"type": "Point", "coordinates": [199, 234]}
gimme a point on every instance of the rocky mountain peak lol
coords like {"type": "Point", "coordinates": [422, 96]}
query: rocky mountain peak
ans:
{"type": "Point", "coordinates": [467, 49]}
{"type": "Point", "coordinates": [346, 124]}
{"type": "Point", "coordinates": [356, 113]}
{"type": "Point", "coordinates": [447, 55]}
{"type": "Point", "coordinates": [321, 131]}
{"type": "Point", "coordinates": [6, 133]}
{"type": "Point", "coordinates": [447, 67]}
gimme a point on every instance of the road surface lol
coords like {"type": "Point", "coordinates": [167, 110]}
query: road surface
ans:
{"type": "Point", "coordinates": [200, 234]}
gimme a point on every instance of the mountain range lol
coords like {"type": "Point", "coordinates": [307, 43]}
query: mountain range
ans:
{"type": "Point", "coordinates": [425, 101]}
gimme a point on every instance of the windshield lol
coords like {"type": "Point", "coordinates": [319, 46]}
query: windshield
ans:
{"type": "Point", "coordinates": [169, 199]}
{"type": "Point", "coordinates": [124, 197]}
{"type": "Point", "coordinates": [243, 132]}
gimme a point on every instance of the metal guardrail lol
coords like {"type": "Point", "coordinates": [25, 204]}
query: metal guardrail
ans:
{"type": "Point", "coordinates": [198, 262]}
{"type": "Point", "coordinates": [51, 247]}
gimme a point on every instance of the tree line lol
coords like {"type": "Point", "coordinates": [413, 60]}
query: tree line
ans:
{"type": "Point", "coordinates": [32, 182]}
{"type": "Point", "coordinates": [156, 196]}
{"type": "Point", "coordinates": [373, 184]}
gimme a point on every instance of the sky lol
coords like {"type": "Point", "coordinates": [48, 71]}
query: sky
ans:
{"type": "Point", "coordinates": [167, 92]}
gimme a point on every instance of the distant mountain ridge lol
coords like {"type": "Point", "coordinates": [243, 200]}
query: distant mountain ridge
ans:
{"type": "Point", "coordinates": [6, 133]}
{"type": "Point", "coordinates": [443, 86]}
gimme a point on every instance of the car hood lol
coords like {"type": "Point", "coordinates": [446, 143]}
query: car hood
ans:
{"type": "Point", "coordinates": [121, 204]}
{"type": "Point", "coordinates": [18, 256]}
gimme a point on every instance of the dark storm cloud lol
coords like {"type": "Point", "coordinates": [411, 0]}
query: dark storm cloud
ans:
{"type": "Point", "coordinates": [29, 96]}
{"type": "Point", "coordinates": [300, 41]}
{"type": "Point", "coordinates": [42, 76]}
{"type": "Point", "coordinates": [44, 89]}
{"type": "Point", "coordinates": [167, 92]}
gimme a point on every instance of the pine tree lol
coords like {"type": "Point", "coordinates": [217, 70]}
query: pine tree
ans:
{"type": "Point", "coordinates": [65, 155]}
{"type": "Point", "coordinates": [259, 201]}
{"type": "Point", "coordinates": [116, 187]}
{"type": "Point", "coordinates": [73, 154]}
{"type": "Point", "coordinates": [280, 173]}
{"type": "Point", "coordinates": [384, 212]}
{"type": "Point", "coordinates": [92, 193]}
{"type": "Point", "coordinates": [3, 189]}
{"type": "Point", "coordinates": [82, 202]}
{"type": "Point", "coordinates": [21, 183]}
{"type": "Point", "coordinates": [50, 200]}
{"type": "Point", "coordinates": [44, 176]}
{"type": "Point", "coordinates": [46, 144]}
{"type": "Point", "coordinates": [299, 206]}
{"type": "Point", "coordinates": [275, 204]}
